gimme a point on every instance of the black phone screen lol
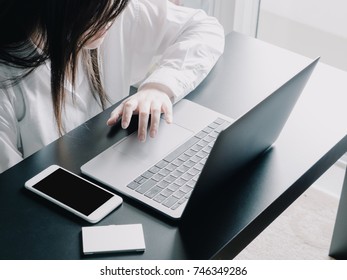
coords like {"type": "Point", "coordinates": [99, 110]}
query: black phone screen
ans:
{"type": "Point", "coordinates": [73, 191]}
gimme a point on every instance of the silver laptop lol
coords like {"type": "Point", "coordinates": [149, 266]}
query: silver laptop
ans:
{"type": "Point", "coordinates": [200, 146]}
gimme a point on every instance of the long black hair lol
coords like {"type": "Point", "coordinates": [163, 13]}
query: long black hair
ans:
{"type": "Point", "coordinates": [60, 29]}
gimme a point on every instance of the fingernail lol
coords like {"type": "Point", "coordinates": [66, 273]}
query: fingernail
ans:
{"type": "Point", "coordinates": [153, 133]}
{"type": "Point", "coordinates": [109, 122]}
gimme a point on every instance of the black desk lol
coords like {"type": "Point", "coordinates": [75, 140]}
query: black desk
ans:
{"type": "Point", "coordinates": [312, 140]}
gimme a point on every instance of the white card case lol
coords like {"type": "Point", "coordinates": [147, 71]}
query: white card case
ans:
{"type": "Point", "coordinates": [113, 238]}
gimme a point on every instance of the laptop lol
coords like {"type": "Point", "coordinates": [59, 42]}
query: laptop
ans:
{"type": "Point", "coordinates": [167, 172]}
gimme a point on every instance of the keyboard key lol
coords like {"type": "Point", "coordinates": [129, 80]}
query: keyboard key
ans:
{"type": "Point", "coordinates": [180, 181]}
{"type": "Point", "coordinates": [179, 203]}
{"type": "Point", "coordinates": [133, 185]}
{"type": "Point", "coordinates": [178, 162]}
{"type": "Point", "coordinates": [146, 186]}
{"type": "Point", "coordinates": [183, 200]}
{"type": "Point", "coordinates": [164, 172]}
{"type": "Point", "coordinates": [195, 159]}
{"type": "Point", "coordinates": [196, 148]}
{"type": "Point", "coordinates": [207, 129]}
{"type": "Point", "coordinates": [186, 189]}
{"type": "Point", "coordinates": [193, 171]}
{"type": "Point", "coordinates": [166, 192]}
{"type": "Point", "coordinates": [140, 179]}
{"type": "Point", "coordinates": [176, 173]}
{"type": "Point", "coordinates": [176, 206]}
{"type": "Point", "coordinates": [163, 184]}
{"type": "Point", "coordinates": [180, 150]}
{"type": "Point", "coordinates": [183, 169]}
{"type": "Point", "coordinates": [179, 194]}
{"type": "Point", "coordinates": [159, 198]}
{"type": "Point", "coordinates": [154, 169]}
{"type": "Point", "coordinates": [207, 149]}
{"type": "Point", "coordinates": [214, 134]}
{"type": "Point", "coordinates": [173, 187]}
{"type": "Point", "coordinates": [202, 154]}
{"type": "Point", "coordinates": [204, 143]}
{"type": "Point", "coordinates": [219, 121]}
{"type": "Point", "coordinates": [187, 176]}
{"type": "Point", "coordinates": [189, 163]}
{"type": "Point", "coordinates": [169, 179]}
{"type": "Point", "coordinates": [170, 167]}
{"type": "Point", "coordinates": [157, 177]}
{"type": "Point", "coordinates": [199, 145]}
{"type": "Point", "coordinates": [187, 196]}
{"type": "Point", "coordinates": [183, 157]}
{"type": "Point", "coordinates": [191, 184]}
{"type": "Point", "coordinates": [213, 125]}
{"type": "Point", "coordinates": [190, 153]}
{"type": "Point", "coordinates": [170, 201]}
{"type": "Point", "coordinates": [199, 166]}
{"type": "Point", "coordinates": [153, 192]}
{"type": "Point", "coordinates": [161, 164]}
{"type": "Point", "coordinates": [201, 134]}
{"type": "Point", "coordinates": [147, 174]}
{"type": "Point", "coordinates": [209, 138]}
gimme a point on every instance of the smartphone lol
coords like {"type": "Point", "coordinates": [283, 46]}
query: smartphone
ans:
{"type": "Point", "coordinates": [74, 193]}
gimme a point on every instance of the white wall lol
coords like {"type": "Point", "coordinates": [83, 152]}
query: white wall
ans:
{"type": "Point", "coordinates": [309, 27]}
{"type": "Point", "coordinates": [326, 15]}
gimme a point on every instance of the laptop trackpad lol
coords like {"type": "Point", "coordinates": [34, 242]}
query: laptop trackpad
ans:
{"type": "Point", "coordinates": [153, 150]}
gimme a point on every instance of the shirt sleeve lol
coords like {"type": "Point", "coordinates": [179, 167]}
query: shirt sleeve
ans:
{"type": "Point", "coordinates": [9, 134]}
{"type": "Point", "coordinates": [175, 47]}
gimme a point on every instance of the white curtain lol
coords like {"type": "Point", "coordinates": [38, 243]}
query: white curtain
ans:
{"type": "Point", "coordinates": [238, 15]}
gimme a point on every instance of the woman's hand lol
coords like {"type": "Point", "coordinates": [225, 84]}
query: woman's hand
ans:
{"type": "Point", "coordinates": [147, 101]}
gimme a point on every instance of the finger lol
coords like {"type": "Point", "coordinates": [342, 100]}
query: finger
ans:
{"type": "Point", "coordinates": [167, 110]}
{"type": "Point", "coordinates": [155, 119]}
{"type": "Point", "coordinates": [144, 109]}
{"type": "Point", "coordinates": [129, 107]}
{"type": "Point", "coordinates": [115, 115]}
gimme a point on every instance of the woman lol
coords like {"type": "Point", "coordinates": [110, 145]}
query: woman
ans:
{"type": "Point", "coordinates": [64, 61]}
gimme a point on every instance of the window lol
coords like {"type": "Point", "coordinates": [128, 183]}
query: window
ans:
{"type": "Point", "coordinates": [234, 15]}
{"type": "Point", "coordinates": [311, 27]}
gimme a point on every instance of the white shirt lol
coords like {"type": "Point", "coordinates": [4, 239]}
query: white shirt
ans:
{"type": "Point", "coordinates": [152, 41]}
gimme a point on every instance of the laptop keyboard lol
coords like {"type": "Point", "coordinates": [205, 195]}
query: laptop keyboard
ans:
{"type": "Point", "coordinates": [171, 181]}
